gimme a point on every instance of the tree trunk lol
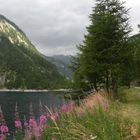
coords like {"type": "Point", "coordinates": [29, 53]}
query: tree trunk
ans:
{"type": "Point", "coordinates": [95, 85]}
{"type": "Point", "coordinates": [107, 84]}
{"type": "Point", "coordinates": [114, 88]}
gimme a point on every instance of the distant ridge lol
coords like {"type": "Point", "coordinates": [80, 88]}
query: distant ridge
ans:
{"type": "Point", "coordinates": [62, 63]}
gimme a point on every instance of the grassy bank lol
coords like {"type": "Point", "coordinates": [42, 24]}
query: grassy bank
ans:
{"type": "Point", "coordinates": [100, 119]}
{"type": "Point", "coordinates": [96, 118]}
{"type": "Point", "coordinates": [130, 104]}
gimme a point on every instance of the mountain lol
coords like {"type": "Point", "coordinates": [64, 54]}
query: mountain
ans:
{"type": "Point", "coordinates": [21, 65]}
{"type": "Point", "coordinates": [63, 58]}
{"type": "Point", "coordinates": [62, 63]}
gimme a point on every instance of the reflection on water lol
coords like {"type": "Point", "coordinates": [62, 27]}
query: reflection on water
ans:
{"type": "Point", "coordinates": [9, 100]}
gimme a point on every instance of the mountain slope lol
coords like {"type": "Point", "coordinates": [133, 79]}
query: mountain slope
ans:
{"type": "Point", "coordinates": [21, 65]}
{"type": "Point", "coordinates": [62, 63]}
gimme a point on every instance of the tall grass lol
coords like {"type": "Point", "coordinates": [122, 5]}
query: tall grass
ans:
{"type": "Point", "coordinates": [96, 118]}
{"type": "Point", "coordinates": [92, 120]}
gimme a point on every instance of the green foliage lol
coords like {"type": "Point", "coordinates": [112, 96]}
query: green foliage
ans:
{"type": "Point", "coordinates": [136, 69]}
{"type": "Point", "coordinates": [129, 94]}
{"type": "Point", "coordinates": [123, 92]}
{"type": "Point", "coordinates": [98, 125]}
{"type": "Point", "coordinates": [19, 135]}
{"type": "Point", "coordinates": [22, 65]}
{"type": "Point", "coordinates": [106, 53]}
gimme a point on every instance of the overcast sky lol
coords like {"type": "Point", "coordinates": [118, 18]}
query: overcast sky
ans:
{"type": "Point", "coordinates": [56, 26]}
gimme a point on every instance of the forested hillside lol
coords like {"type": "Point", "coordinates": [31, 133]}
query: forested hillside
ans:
{"type": "Point", "coordinates": [21, 65]}
{"type": "Point", "coordinates": [63, 63]}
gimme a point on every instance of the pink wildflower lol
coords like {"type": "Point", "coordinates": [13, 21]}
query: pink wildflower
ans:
{"type": "Point", "coordinates": [32, 123]}
{"type": "Point", "coordinates": [2, 137]}
{"type": "Point", "coordinates": [34, 129]}
{"type": "Point", "coordinates": [64, 108]}
{"type": "Point", "coordinates": [43, 120]}
{"type": "Point", "coordinates": [18, 124]}
{"type": "Point", "coordinates": [71, 105]}
{"type": "Point", "coordinates": [36, 133]}
{"type": "Point", "coordinates": [54, 116]}
{"type": "Point", "coordinates": [25, 124]}
{"type": "Point", "coordinates": [4, 129]}
{"type": "Point", "coordinates": [106, 105]}
{"type": "Point", "coordinates": [97, 98]}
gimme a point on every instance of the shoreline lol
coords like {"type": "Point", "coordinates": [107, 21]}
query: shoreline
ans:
{"type": "Point", "coordinates": [34, 90]}
{"type": "Point", "coordinates": [23, 90]}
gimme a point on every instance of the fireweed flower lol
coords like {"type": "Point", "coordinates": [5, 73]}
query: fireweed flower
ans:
{"type": "Point", "coordinates": [37, 133]}
{"type": "Point", "coordinates": [64, 108]}
{"type": "Point", "coordinates": [25, 124]}
{"type": "Point", "coordinates": [54, 116]}
{"type": "Point", "coordinates": [71, 105]}
{"type": "Point", "coordinates": [2, 137]}
{"type": "Point", "coordinates": [34, 129]}
{"type": "Point", "coordinates": [18, 124]}
{"type": "Point", "coordinates": [4, 129]}
{"type": "Point", "coordinates": [97, 98]}
{"type": "Point", "coordinates": [42, 120]}
{"type": "Point", "coordinates": [32, 123]}
{"type": "Point", "coordinates": [106, 104]}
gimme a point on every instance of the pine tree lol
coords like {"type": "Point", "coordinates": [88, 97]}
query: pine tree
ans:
{"type": "Point", "coordinates": [105, 48]}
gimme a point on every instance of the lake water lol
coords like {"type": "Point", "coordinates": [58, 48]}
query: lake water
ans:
{"type": "Point", "coordinates": [9, 100]}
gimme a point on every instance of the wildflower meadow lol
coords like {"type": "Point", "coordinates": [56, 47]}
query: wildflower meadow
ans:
{"type": "Point", "coordinates": [93, 119]}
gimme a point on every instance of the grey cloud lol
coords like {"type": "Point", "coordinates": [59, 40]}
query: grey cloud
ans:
{"type": "Point", "coordinates": [50, 23]}
{"type": "Point", "coordinates": [55, 26]}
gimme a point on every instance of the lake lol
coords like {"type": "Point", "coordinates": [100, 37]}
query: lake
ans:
{"type": "Point", "coordinates": [9, 100]}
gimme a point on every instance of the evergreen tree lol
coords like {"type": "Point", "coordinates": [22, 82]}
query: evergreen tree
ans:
{"type": "Point", "coordinates": [136, 41]}
{"type": "Point", "coordinates": [106, 49]}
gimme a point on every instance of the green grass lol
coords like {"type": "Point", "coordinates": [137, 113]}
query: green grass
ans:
{"type": "Point", "coordinates": [117, 123]}
{"type": "Point", "coordinates": [129, 94]}
{"type": "Point", "coordinates": [120, 121]}
{"type": "Point", "coordinates": [130, 108]}
{"type": "Point", "coordinates": [99, 126]}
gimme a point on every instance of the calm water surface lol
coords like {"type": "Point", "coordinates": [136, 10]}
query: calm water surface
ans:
{"type": "Point", "coordinates": [8, 101]}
